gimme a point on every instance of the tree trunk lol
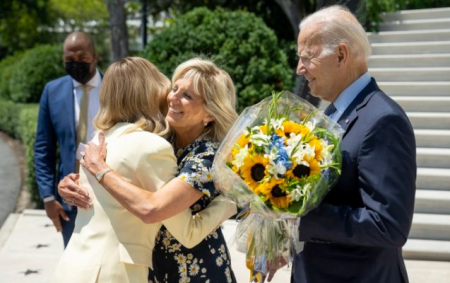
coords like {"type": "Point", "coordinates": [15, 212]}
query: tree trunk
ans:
{"type": "Point", "coordinates": [292, 9]}
{"type": "Point", "coordinates": [325, 3]}
{"type": "Point", "coordinates": [118, 27]}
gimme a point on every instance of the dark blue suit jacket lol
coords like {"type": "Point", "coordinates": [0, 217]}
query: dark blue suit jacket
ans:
{"type": "Point", "coordinates": [356, 234]}
{"type": "Point", "coordinates": [56, 126]}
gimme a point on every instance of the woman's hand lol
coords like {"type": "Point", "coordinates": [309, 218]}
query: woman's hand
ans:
{"type": "Point", "coordinates": [72, 193]}
{"type": "Point", "coordinates": [93, 159]}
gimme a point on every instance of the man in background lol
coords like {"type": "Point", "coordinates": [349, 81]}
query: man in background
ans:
{"type": "Point", "coordinates": [67, 107]}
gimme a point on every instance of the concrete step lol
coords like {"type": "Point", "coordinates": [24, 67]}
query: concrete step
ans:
{"type": "Point", "coordinates": [433, 179]}
{"type": "Point", "coordinates": [428, 120]}
{"type": "Point", "coordinates": [411, 74]}
{"type": "Point", "coordinates": [433, 157]}
{"type": "Point", "coordinates": [430, 227]}
{"type": "Point", "coordinates": [423, 103]}
{"type": "Point", "coordinates": [417, 14]}
{"type": "Point", "coordinates": [427, 271]}
{"type": "Point", "coordinates": [432, 202]}
{"type": "Point", "coordinates": [422, 24]}
{"type": "Point", "coordinates": [409, 36]}
{"type": "Point", "coordinates": [417, 88]}
{"type": "Point", "coordinates": [417, 47]}
{"type": "Point", "coordinates": [419, 249]}
{"type": "Point", "coordinates": [409, 60]}
{"type": "Point", "coordinates": [432, 138]}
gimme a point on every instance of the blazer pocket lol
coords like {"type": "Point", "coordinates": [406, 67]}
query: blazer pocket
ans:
{"type": "Point", "coordinates": [346, 267]}
{"type": "Point", "coordinates": [135, 254]}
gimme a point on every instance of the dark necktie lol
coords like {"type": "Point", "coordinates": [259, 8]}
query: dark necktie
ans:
{"type": "Point", "coordinates": [330, 110]}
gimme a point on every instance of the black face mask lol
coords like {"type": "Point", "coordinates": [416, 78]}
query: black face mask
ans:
{"type": "Point", "coordinates": [79, 71]}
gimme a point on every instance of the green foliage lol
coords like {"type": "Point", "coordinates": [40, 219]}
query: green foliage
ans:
{"type": "Point", "coordinates": [19, 121]}
{"type": "Point", "coordinates": [7, 66]}
{"type": "Point", "coordinates": [37, 67]}
{"type": "Point", "coordinates": [239, 42]}
{"type": "Point", "coordinates": [27, 131]}
{"type": "Point", "coordinates": [80, 14]}
{"type": "Point", "coordinates": [8, 121]}
{"type": "Point", "coordinates": [424, 4]}
{"type": "Point", "coordinates": [87, 16]}
{"type": "Point", "coordinates": [369, 11]}
{"type": "Point", "coordinates": [25, 24]}
{"type": "Point", "coordinates": [19, 22]}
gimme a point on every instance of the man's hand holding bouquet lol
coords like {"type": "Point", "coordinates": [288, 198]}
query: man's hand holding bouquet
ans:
{"type": "Point", "coordinates": [277, 163]}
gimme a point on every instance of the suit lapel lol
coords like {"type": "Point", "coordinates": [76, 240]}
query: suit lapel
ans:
{"type": "Point", "coordinates": [69, 106]}
{"type": "Point", "coordinates": [350, 115]}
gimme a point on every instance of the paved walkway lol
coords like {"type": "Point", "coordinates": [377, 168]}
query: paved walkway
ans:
{"type": "Point", "coordinates": [10, 180]}
{"type": "Point", "coordinates": [30, 247]}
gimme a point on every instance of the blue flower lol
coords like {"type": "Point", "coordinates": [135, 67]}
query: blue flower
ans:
{"type": "Point", "coordinates": [282, 155]}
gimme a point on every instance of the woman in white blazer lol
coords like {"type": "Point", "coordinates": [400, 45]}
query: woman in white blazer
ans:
{"type": "Point", "coordinates": [111, 244]}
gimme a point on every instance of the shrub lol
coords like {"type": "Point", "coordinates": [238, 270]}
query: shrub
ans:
{"type": "Point", "coordinates": [37, 67]}
{"type": "Point", "coordinates": [237, 41]}
{"type": "Point", "coordinates": [7, 66]}
{"type": "Point", "coordinates": [27, 131]}
{"type": "Point", "coordinates": [19, 121]}
{"type": "Point", "coordinates": [8, 117]}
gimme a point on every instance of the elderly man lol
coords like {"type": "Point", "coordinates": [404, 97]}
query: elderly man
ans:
{"type": "Point", "coordinates": [67, 107]}
{"type": "Point", "coordinates": [356, 234]}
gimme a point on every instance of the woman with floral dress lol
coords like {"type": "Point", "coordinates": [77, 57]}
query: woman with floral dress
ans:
{"type": "Point", "coordinates": [200, 111]}
{"type": "Point", "coordinates": [198, 88]}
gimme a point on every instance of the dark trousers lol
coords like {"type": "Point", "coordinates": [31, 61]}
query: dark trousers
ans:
{"type": "Point", "coordinates": [67, 226]}
{"type": "Point", "coordinates": [298, 271]}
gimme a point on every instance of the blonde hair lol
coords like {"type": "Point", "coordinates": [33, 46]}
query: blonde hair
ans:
{"type": "Point", "coordinates": [134, 91]}
{"type": "Point", "coordinates": [216, 88]}
{"type": "Point", "coordinates": [339, 25]}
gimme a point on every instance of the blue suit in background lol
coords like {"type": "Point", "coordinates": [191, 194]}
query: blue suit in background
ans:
{"type": "Point", "coordinates": [56, 128]}
{"type": "Point", "coordinates": [356, 234]}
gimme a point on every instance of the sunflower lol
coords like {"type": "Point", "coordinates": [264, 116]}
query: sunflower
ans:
{"type": "Point", "coordinates": [241, 142]}
{"type": "Point", "coordinates": [288, 128]}
{"type": "Point", "coordinates": [315, 166]}
{"type": "Point", "coordinates": [273, 191]}
{"type": "Point", "coordinates": [254, 170]}
{"type": "Point", "coordinates": [263, 129]}
{"type": "Point", "coordinates": [300, 171]}
{"type": "Point", "coordinates": [305, 131]}
{"type": "Point", "coordinates": [314, 142]}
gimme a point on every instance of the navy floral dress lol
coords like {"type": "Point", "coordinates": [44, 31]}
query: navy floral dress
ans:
{"type": "Point", "coordinates": [209, 261]}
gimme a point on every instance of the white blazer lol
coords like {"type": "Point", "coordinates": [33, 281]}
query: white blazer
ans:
{"type": "Point", "coordinates": [109, 243]}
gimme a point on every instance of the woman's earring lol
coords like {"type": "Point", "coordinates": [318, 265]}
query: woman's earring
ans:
{"type": "Point", "coordinates": [205, 124]}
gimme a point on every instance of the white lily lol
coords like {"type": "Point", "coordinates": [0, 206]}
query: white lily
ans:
{"type": "Point", "coordinates": [239, 158]}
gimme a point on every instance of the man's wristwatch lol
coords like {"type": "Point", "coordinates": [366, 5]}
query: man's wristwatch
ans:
{"type": "Point", "coordinates": [48, 198]}
{"type": "Point", "coordinates": [99, 176]}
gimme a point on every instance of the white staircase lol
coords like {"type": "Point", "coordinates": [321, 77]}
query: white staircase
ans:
{"type": "Point", "coordinates": [411, 62]}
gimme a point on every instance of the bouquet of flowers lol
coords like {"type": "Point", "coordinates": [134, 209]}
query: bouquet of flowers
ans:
{"type": "Point", "coordinates": [278, 162]}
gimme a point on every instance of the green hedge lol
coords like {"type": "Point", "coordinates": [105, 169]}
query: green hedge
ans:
{"type": "Point", "coordinates": [37, 67]}
{"type": "Point", "coordinates": [22, 80]}
{"type": "Point", "coordinates": [237, 41]}
{"type": "Point", "coordinates": [19, 121]}
{"type": "Point", "coordinates": [7, 66]}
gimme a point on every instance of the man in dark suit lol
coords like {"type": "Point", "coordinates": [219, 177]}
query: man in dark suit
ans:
{"type": "Point", "coordinates": [356, 234]}
{"type": "Point", "coordinates": [67, 108]}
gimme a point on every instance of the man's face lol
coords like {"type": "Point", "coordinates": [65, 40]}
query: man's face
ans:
{"type": "Point", "coordinates": [77, 50]}
{"type": "Point", "coordinates": [321, 71]}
